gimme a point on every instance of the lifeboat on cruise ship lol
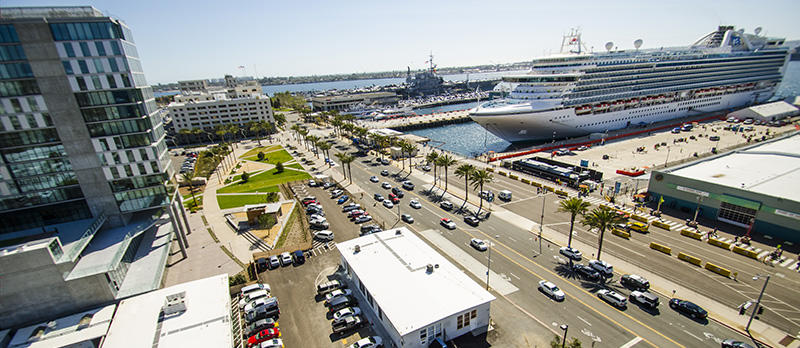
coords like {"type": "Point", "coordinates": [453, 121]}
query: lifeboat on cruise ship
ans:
{"type": "Point", "coordinates": [632, 102]}
{"type": "Point", "coordinates": [601, 107]}
{"type": "Point", "coordinates": [583, 110]}
{"type": "Point", "coordinates": [730, 89]}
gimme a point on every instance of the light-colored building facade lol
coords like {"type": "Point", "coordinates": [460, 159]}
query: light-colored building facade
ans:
{"type": "Point", "coordinates": [767, 112]}
{"type": "Point", "coordinates": [207, 111]}
{"type": "Point", "coordinates": [348, 101]}
{"type": "Point", "coordinates": [193, 85]}
{"type": "Point", "coordinates": [412, 291]}
{"type": "Point", "coordinates": [84, 203]}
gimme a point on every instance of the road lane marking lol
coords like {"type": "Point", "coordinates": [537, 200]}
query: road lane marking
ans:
{"type": "Point", "coordinates": [512, 239]}
{"type": "Point", "coordinates": [690, 334]}
{"type": "Point", "coordinates": [513, 275]}
{"type": "Point", "coordinates": [584, 320]}
{"type": "Point", "coordinates": [632, 342]}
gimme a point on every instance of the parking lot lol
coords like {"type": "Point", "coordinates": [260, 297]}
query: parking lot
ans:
{"type": "Point", "coordinates": [304, 320]}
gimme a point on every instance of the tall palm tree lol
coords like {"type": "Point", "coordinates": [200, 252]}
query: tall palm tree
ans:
{"type": "Point", "coordinates": [408, 148]}
{"type": "Point", "coordinates": [602, 218]}
{"type": "Point", "coordinates": [479, 178]}
{"type": "Point", "coordinates": [431, 159]}
{"type": "Point", "coordinates": [445, 162]}
{"type": "Point", "coordinates": [303, 133]}
{"type": "Point", "coordinates": [296, 129]}
{"type": "Point", "coordinates": [312, 140]}
{"type": "Point", "coordinates": [346, 159]}
{"type": "Point", "coordinates": [574, 206]}
{"type": "Point", "coordinates": [324, 147]}
{"type": "Point", "coordinates": [188, 177]}
{"type": "Point", "coordinates": [256, 127]}
{"type": "Point", "coordinates": [465, 171]}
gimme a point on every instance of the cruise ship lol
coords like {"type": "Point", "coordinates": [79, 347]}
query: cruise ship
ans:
{"type": "Point", "coordinates": [575, 93]}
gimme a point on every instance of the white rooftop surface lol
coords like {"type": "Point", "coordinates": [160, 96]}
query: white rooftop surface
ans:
{"type": "Point", "coordinates": [771, 169]}
{"type": "Point", "coordinates": [65, 331]}
{"type": "Point", "coordinates": [205, 323]}
{"type": "Point", "coordinates": [393, 268]}
{"type": "Point", "coordinates": [775, 108]}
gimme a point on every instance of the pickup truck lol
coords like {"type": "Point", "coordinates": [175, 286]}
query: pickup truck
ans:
{"type": "Point", "coordinates": [644, 298]}
{"type": "Point", "coordinates": [348, 323]}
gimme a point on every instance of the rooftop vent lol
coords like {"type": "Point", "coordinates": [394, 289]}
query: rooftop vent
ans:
{"type": "Point", "coordinates": [429, 268]}
{"type": "Point", "coordinates": [174, 304]}
{"type": "Point", "coordinates": [398, 232]}
{"type": "Point", "coordinates": [357, 248]}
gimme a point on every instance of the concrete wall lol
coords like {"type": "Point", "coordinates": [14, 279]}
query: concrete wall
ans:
{"type": "Point", "coordinates": [41, 51]}
{"type": "Point", "coordinates": [767, 222]}
{"type": "Point", "coordinates": [34, 290]}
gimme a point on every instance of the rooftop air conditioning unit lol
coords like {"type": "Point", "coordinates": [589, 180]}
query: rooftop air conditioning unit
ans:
{"type": "Point", "coordinates": [429, 268]}
{"type": "Point", "coordinates": [174, 304]}
{"type": "Point", "coordinates": [357, 248]}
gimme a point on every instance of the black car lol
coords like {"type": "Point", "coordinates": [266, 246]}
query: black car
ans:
{"type": "Point", "coordinates": [586, 272]}
{"type": "Point", "coordinates": [384, 172]}
{"type": "Point", "coordinates": [471, 220]}
{"type": "Point", "coordinates": [688, 308]}
{"type": "Point", "coordinates": [635, 282]}
{"type": "Point", "coordinates": [367, 229]}
{"type": "Point", "coordinates": [398, 192]}
{"type": "Point", "coordinates": [735, 344]}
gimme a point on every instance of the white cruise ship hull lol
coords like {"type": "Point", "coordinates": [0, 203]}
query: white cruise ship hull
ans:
{"type": "Point", "coordinates": [564, 123]}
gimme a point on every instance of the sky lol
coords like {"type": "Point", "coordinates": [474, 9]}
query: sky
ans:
{"type": "Point", "coordinates": [184, 40]}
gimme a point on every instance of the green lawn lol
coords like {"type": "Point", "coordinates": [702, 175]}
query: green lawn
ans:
{"type": "Point", "coordinates": [233, 201]}
{"type": "Point", "coordinates": [262, 182]}
{"type": "Point", "coordinates": [188, 203]}
{"type": "Point", "coordinates": [264, 149]}
{"type": "Point", "coordinates": [294, 165]}
{"type": "Point", "coordinates": [272, 157]}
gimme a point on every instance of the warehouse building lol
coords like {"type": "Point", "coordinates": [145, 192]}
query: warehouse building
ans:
{"type": "Point", "coordinates": [348, 101]}
{"type": "Point", "coordinates": [755, 185]}
{"type": "Point", "coordinates": [414, 293]}
{"type": "Point", "coordinates": [767, 112]}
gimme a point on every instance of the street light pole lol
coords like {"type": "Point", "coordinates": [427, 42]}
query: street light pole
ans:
{"type": "Point", "coordinates": [488, 263]}
{"type": "Point", "coordinates": [541, 223]}
{"type": "Point", "coordinates": [666, 160]}
{"type": "Point", "coordinates": [696, 210]}
{"type": "Point", "coordinates": [758, 304]}
{"type": "Point", "coordinates": [564, 340]}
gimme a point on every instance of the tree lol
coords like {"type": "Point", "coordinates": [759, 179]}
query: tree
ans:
{"type": "Point", "coordinates": [478, 179]}
{"type": "Point", "coordinates": [602, 218]}
{"type": "Point", "coordinates": [280, 119]}
{"type": "Point", "coordinates": [444, 162]}
{"type": "Point", "coordinates": [303, 133]}
{"type": "Point", "coordinates": [279, 167]}
{"type": "Point", "coordinates": [245, 176]}
{"type": "Point", "coordinates": [574, 206]}
{"type": "Point", "coordinates": [271, 197]}
{"type": "Point", "coordinates": [431, 159]}
{"type": "Point", "coordinates": [256, 127]}
{"type": "Point", "coordinates": [556, 343]}
{"type": "Point", "coordinates": [324, 147]}
{"type": "Point", "coordinates": [266, 221]}
{"type": "Point", "coordinates": [260, 155]}
{"type": "Point", "coordinates": [346, 160]}
{"type": "Point", "coordinates": [465, 171]}
{"type": "Point", "coordinates": [188, 178]}
{"type": "Point", "coordinates": [409, 149]}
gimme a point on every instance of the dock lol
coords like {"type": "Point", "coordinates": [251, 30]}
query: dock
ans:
{"type": "Point", "coordinates": [417, 122]}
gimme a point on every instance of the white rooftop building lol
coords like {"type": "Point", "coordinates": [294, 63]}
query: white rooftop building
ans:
{"type": "Point", "coordinates": [195, 314]}
{"type": "Point", "coordinates": [767, 112]}
{"type": "Point", "coordinates": [84, 329]}
{"type": "Point", "coordinates": [413, 291]}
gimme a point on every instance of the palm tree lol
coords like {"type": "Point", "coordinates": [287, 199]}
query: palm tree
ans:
{"type": "Point", "coordinates": [479, 178]}
{"type": "Point", "coordinates": [312, 140]}
{"type": "Point", "coordinates": [574, 206]}
{"type": "Point", "coordinates": [408, 148]}
{"type": "Point", "coordinates": [324, 146]}
{"type": "Point", "coordinates": [444, 162]}
{"type": "Point", "coordinates": [465, 171]}
{"type": "Point", "coordinates": [303, 133]}
{"type": "Point", "coordinates": [222, 130]}
{"type": "Point", "coordinates": [431, 159]}
{"type": "Point", "coordinates": [256, 127]}
{"type": "Point", "coordinates": [296, 129]}
{"type": "Point", "coordinates": [602, 218]}
{"type": "Point", "coordinates": [346, 159]}
{"type": "Point", "coordinates": [188, 177]}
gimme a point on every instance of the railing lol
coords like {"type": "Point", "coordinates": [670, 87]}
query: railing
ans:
{"type": "Point", "coordinates": [84, 239]}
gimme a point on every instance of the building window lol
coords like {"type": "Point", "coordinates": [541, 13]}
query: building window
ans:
{"type": "Point", "coordinates": [101, 50]}
{"type": "Point", "coordinates": [473, 314]}
{"type": "Point", "coordinates": [67, 67]}
{"type": "Point", "coordinates": [459, 322]}
{"type": "Point", "coordinates": [736, 213]}
{"type": "Point", "coordinates": [85, 49]}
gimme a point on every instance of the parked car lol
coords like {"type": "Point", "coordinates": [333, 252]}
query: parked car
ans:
{"type": "Point", "coordinates": [298, 257]}
{"type": "Point", "coordinates": [336, 193]}
{"type": "Point", "coordinates": [374, 178]}
{"type": "Point", "coordinates": [688, 308]}
{"type": "Point", "coordinates": [320, 225]}
{"type": "Point", "coordinates": [446, 205]}
{"type": "Point", "coordinates": [252, 297]}
{"type": "Point", "coordinates": [478, 244]}
{"type": "Point", "coordinates": [312, 183]}
{"type": "Point", "coordinates": [388, 204]}
{"type": "Point", "coordinates": [586, 272]}
{"type": "Point", "coordinates": [551, 290]}
{"type": "Point", "coordinates": [369, 342]}
{"type": "Point", "coordinates": [260, 325]}
{"type": "Point", "coordinates": [471, 220]}
{"type": "Point", "coordinates": [308, 199]}
{"type": "Point", "coordinates": [644, 298]}
{"type": "Point", "coordinates": [263, 335]}
{"type": "Point", "coordinates": [407, 218]}
{"type": "Point", "coordinates": [386, 185]}
{"type": "Point", "coordinates": [253, 288]}
{"type": "Point", "coordinates": [273, 343]}
{"type": "Point", "coordinates": [286, 258]}
{"type": "Point", "coordinates": [367, 229]}
{"type": "Point", "coordinates": [350, 206]}
{"type": "Point", "coordinates": [342, 199]}
{"type": "Point", "coordinates": [362, 219]}
{"type": "Point", "coordinates": [729, 343]}
{"type": "Point", "coordinates": [385, 172]}
{"type": "Point", "coordinates": [571, 253]}
{"type": "Point", "coordinates": [348, 323]}
{"type": "Point", "coordinates": [449, 224]}
{"type": "Point", "coordinates": [336, 294]}
{"type": "Point", "coordinates": [274, 262]}
{"type": "Point", "coordinates": [414, 204]}
{"type": "Point", "coordinates": [605, 268]}
{"type": "Point", "coordinates": [324, 235]}
{"type": "Point", "coordinates": [635, 282]}
{"type": "Point", "coordinates": [346, 312]}
{"type": "Point", "coordinates": [328, 286]}
{"type": "Point", "coordinates": [613, 298]}
{"type": "Point", "coordinates": [408, 185]}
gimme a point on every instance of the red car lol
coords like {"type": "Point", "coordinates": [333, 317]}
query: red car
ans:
{"type": "Point", "coordinates": [392, 196]}
{"type": "Point", "coordinates": [306, 203]}
{"type": "Point", "coordinates": [263, 335]}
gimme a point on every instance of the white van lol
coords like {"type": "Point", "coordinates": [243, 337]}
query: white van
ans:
{"type": "Point", "coordinates": [504, 195]}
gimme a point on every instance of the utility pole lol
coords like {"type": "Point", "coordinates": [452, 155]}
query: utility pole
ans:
{"type": "Point", "coordinates": [489, 263]}
{"type": "Point", "coordinates": [758, 304]}
{"type": "Point", "coordinates": [541, 223]}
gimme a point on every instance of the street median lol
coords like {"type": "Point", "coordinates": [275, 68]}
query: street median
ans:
{"type": "Point", "coordinates": [534, 183]}
{"type": "Point", "coordinates": [662, 248]}
{"type": "Point", "coordinates": [718, 270]}
{"type": "Point", "coordinates": [746, 252]}
{"type": "Point", "coordinates": [639, 218]}
{"type": "Point", "coordinates": [691, 234]}
{"type": "Point", "coordinates": [719, 243]}
{"type": "Point", "coordinates": [661, 225]}
{"type": "Point", "coordinates": [621, 233]}
{"type": "Point", "coordinates": [690, 259]}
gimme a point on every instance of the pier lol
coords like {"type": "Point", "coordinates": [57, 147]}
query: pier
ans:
{"type": "Point", "coordinates": [418, 122]}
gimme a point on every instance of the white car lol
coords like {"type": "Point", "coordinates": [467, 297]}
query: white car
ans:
{"type": "Point", "coordinates": [286, 258]}
{"type": "Point", "coordinates": [387, 203]}
{"type": "Point", "coordinates": [448, 223]}
{"type": "Point", "coordinates": [551, 290]}
{"type": "Point", "coordinates": [273, 343]}
{"type": "Point", "coordinates": [386, 185]}
{"type": "Point", "coordinates": [251, 297]}
{"type": "Point", "coordinates": [407, 218]}
{"type": "Point", "coordinates": [336, 294]}
{"type": "Point", "coordinates": [605, 268]}
{"type": "Point", "coordinates": [415, 204]}
{"type": "Point", "coordinates": [369, 342]}
{"type": "Point", "coordinates": [613, 298]}
{"type": "Point", "coordinates": [252, 288]}
{"type": "Point", "coordinates": [571, 253]}
{"type": "Point", "coordinates": [373, 178]}
{"type": "Point", "coordinates": [324, 235]}
{"type": "Point", "coordinates": [318, 218]}
{"type": "Point", "coordinates": [346, 312]}
{"type": "Point", "coordinates": [479, 244]}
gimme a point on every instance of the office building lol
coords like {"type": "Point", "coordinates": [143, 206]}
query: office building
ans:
{"type": "Point", "coordinates": [193, 85]}
{"type": "Point", "coordinates": [238, 105]}
{"type": "Point", "coordinates": [87, 216]}
{"type": "Point", "coordinates": [412, 291]}
{"type": "Point", "coordinates": [349, 101]}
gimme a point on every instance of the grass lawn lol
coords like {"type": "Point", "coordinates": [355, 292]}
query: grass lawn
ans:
{"type": "Point", "coordinates": [262, 182]}
{"type": "Point", "coordinates": [272, 157]}
{"type": "Point", "coordinates": [188, 203]}
{"type": "Point", "coordinates": [233, 201]}
{"type": "Point", "coordinates": [295, 165]}
{"type": "Point", "coordinates": [264, 149]}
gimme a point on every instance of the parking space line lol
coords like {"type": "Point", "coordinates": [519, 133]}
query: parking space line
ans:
{"type": "Point", "coordinates": [632, 342]}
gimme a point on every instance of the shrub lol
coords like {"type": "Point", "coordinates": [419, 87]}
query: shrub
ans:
{"type": "Point", "coordinates": [260, 156]}
{"type": "Point", "coordinates": [266, 221]}
{"type": "Point", "coordinates": [237, 279]}
{"type": "Point", "coordinates": [279, 167]}
{"type": "Point", "coordinates": [272, 197]}
{"type": "Point", "coordinates": [245, 176]}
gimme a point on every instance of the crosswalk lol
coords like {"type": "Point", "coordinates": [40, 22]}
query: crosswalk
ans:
{"type": "Point", "coordinates": [319, 248]}
{"type": "Point", "coordinates": [782, 261]}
